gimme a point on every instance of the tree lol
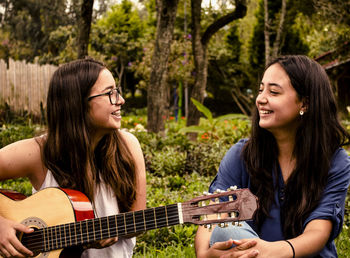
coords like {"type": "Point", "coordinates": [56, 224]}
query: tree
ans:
{"type": "Point", "coordinates": [288, 36]}
{"type": "Point", "coordinates": [272, 53]}
{"type": "Point", "coordinates": [116, 38]}
{"type": "Point", "coordinates": [156, 95]}
{"type": "Point", "coordinates": [200, 45]}
{"type": "Point", "coordinates": [29, 24]}
{"type": "Point", "coordinates": [84, 27]}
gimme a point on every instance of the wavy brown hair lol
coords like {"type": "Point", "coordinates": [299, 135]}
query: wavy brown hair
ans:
{"type": "Point", "coordinates": [67, 152]}
{"type": "Point", "coordinates": [319, 135]}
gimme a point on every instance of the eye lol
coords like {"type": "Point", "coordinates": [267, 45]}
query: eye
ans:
{"type": "Point", "coordinates": [274, 92]}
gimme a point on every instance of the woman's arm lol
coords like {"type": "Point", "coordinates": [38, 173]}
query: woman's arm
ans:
{"type": "Point", "coordinates": [244, 248]}
{"type": "Point", "coordinates": [19, 159]}
{"type": "Point", "coordinates": [308, 244]}
{"type": "Point", "coordinates": [140, 170]}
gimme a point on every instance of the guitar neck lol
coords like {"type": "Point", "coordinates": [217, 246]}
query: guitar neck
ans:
{"type": "Point", "coordinates": [86, 231]}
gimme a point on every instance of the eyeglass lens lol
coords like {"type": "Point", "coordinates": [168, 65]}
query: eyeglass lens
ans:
{"type": "Point", "coordinates": [114, 96]}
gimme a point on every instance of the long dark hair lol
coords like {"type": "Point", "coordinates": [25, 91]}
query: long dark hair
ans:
{"type": "Point", "coordinates": [319, 135]}
{"type": "Point", "coordinates": [67, 152]}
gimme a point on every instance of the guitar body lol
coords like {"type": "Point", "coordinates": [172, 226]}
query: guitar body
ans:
{"type": "Point", "coordinates": [48, 207]}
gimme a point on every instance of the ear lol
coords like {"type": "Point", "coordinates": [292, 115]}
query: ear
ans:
{"type": "Point", "coordinates": [305, 104]}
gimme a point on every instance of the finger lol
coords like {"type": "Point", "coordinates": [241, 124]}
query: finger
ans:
{"type": "Point", "coordinates": [235, 254]}
{"type": "Point", "coordinates": [245, 244]}
{"type": "Point", "coordinates": [5, 253]}
{"type": "Point", "coordinates": [223, 245]}
{"type": "Point", "coordinates": [109, 242]}
{"type": "Point", "coordinates": [19, 247]}
{"type": "Point", "coordinates": [22, 228]}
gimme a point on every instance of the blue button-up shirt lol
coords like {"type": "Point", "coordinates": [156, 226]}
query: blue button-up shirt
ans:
{"type": "Point", "coordinates": [232, 171]}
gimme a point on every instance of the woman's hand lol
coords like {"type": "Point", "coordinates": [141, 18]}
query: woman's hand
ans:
{"type": "Point", "coordinates": [102, 243]}
{"type": "Point", "coordinates": [10, 246]}
{"type": "Point", "coordinates": [243, 249]}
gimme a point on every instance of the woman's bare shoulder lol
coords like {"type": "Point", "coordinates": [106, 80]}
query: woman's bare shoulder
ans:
{"type": "Point", "coordinates": [21, 159]}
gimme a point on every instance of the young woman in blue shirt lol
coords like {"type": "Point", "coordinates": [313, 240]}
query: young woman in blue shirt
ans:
{"type": "Point", "coordinates": [293, 162]}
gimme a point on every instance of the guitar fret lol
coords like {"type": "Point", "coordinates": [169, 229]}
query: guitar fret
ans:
{"type": "Point", "coordinates": [93, 229]}
{"type": "Point", "coordinates": [166, 216]}
{"type": "Point", "coordinates": [44, 238]}
{"type": "Point", "coordinates": [116, 225]}
{"type": "Point", "coordinates": [144, 221]}
{"type": "Point", "coordinates": [100, 228]}
{"type": "Point", "coordinates": [112, 226]}
{"type": "Point", "coordinates": [120, 225]}
{"type": "Point", "coordinates": [130, 225]}
{"type": "Point", "coordinates": [150, 223]}
{"type": "Point", "coordinates": [55, 236]}
{"type": "Point", "coordinates": [65, 234]}
{"type": "Point", "coordinates": [139, 221]}
{"type": "Point", "coordinates": [52, 239]}
{"type": "Point", "coordinates": [87, 231]}
{"type": "Point", "coordinates": [155, 217]}
{"type": "Point", "coordinates": [109, 233]}
{"type": "Point", "coordinates": [125, 224]}
{"type": "Point", "coordinates": [59, 237]}
{"type": "Point", "coordinates": [133, 216]}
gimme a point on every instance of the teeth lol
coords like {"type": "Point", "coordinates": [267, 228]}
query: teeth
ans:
{"type": "Point", "coordinates": [265, 112]}
{"type": "Point", "coordinates": [116, 113]}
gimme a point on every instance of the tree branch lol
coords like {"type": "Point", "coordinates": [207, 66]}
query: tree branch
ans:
{"type": "Point", "coordinates": [239, 12]}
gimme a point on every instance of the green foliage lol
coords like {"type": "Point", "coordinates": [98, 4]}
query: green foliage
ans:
{"type": "Point", "coordinates": [116, 38]}
{"type": "Point", "coordinates": [177, 170]}
{"type": "Point", "coordinates": [167, 190]}
{"type": "Point", "coordinates": [10, 133]}
{"type": "Point", "coordinates": [212, 128]}
{"type": "Point", "coordinates": [21, 185]}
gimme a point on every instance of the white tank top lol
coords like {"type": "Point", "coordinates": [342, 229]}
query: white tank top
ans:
{"type": "Point", "coordinates": [105, 204]}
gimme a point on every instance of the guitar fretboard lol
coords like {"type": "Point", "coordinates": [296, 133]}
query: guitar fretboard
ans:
{"type": "Point", "coordinates": [86, 231]}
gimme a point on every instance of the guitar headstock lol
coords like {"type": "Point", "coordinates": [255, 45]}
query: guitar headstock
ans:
{"type": "Point", "coordinates": [241, 205]}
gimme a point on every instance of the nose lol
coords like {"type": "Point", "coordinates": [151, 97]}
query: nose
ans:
{"type": "Point", "coordinates": [121, 100]}
{"type": "Point", "coordinates": [261, 98]}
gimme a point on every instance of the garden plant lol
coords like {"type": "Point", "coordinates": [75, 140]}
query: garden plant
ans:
{"type": "Point", "coordinates": [177, 170]}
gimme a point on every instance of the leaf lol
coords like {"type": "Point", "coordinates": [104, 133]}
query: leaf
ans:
{"type": "Point", "coordinates": [193, 129]}
{"type": "Point", "coordinates": [231, 117]}
{"type": "Point", "coordinates": [203, 109]}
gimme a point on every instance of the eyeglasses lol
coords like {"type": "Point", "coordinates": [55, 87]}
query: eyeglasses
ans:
{"type": "Point", "coordinates": [112, 94]}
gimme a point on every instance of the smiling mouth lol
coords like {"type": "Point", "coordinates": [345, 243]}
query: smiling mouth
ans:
{"type": "Point", "coordinates": [265, 112]}
{"type": "Point", "coordinates": [116, 113]}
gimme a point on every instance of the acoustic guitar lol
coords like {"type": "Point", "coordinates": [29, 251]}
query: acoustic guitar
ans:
{"type": "Point", "coordinates": [63, 219]}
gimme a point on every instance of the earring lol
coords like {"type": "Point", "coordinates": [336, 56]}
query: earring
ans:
{"type": "Point", "coordinates": [301, 112]}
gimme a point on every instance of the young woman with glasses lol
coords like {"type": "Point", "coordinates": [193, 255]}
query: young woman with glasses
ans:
{"type": "Point", "coordinates": [293, 162]}
{"type": "Point", "coordinates": [84, 149]}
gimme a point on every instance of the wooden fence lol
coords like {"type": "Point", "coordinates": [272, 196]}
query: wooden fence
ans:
{"type": "Point", "coordinates": [24, 86]}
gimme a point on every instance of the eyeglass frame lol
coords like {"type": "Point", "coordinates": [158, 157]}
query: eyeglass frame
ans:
{"type": "Point", "coordinates": [109, 94]}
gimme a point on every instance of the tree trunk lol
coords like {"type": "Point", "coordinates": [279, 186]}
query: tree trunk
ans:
{"type": "Point", "coordinates": [277, 42]}
{"type": "Point", "coordinates": [267, 32]}
{"type": "Point", "coordinates": [157, 89]}
{"type": "Point", "coordinates": [199, 46]}
{"type": "Point", "coordinates": [84, 22]}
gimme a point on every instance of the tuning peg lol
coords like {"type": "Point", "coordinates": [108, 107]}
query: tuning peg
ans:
{"type": "Point", "coordinates": [208, 226]}
{"type": "Point", "coordinates": [230, 198]}
{"type": "Point", "coordinates": [233, 188]}
{"type": "Point", "coordinates": [217, 200]}
{"type": "Point", "coordinates": [205, 193]}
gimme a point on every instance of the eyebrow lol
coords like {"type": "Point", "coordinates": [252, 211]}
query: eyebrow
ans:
{"type": "Point", "coordinates": [272, 84]}
{"type": "Point", "coordinates": [109, 88]}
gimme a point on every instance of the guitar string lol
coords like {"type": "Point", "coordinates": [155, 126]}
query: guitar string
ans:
{"type": "Point", "coordinates": [129, 223]}
{"type": "Point", "coordinates": [82, 239]}
{"type": "Point", "coordinates": [130, 227]}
